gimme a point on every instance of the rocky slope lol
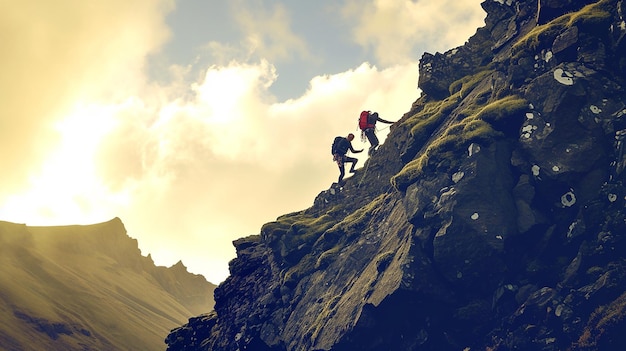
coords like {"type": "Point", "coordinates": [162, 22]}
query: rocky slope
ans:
{"type": "Point", "coordinates": [493, 217]}
{"type": "Point", "coordinates": [89, 288]}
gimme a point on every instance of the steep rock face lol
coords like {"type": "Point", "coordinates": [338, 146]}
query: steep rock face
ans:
{"type": "Point", "coordinates": [89, 288]}
{"type": "Point", "coordinates": [493, 217]}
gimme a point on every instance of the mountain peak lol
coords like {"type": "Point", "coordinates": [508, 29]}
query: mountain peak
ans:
{"type": "Point", "coordinates": [88, 287]}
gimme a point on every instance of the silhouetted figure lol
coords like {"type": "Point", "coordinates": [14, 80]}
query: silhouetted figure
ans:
{"type": "Point", "coordinates": [339, 150]}
{"type": "Point", "coordinates": [367, 123]}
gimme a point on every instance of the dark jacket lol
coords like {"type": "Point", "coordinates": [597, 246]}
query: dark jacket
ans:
{"type": "Point", "coordinates": [373, 118]}
{"type": "Point", "coordinates": [341, 145]}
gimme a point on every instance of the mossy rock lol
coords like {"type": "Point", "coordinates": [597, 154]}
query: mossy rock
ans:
{"type": "Point", "coordinates": [589, 18]}
{"type": "Point", "coordinates": [293, 235]}
{"type": "Point", "coordinates": [483, 125]}
{"type": "Point", "coordinates": [296, 249]}
{"type": "Point", "coordinates": [423, 123]}
{"type": "Point", "coordinates": [304, 267]}
{"type": "Point", "coordinates": [467, 83]}
{"type": "Point", "coordinates": [327, 256]}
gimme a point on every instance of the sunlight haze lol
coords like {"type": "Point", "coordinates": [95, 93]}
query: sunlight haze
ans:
{"type": "Point", "coordinates": [197, 121]}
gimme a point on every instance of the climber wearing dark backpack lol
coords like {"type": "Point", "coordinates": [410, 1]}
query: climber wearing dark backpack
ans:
{"type": "Point", "coordinates": [367, 124]}
{"type": "Point", "coordinates": [339, 149]}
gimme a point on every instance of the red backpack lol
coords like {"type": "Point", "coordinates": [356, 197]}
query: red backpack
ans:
{"type": "Point", "coordinates": [364, 121]}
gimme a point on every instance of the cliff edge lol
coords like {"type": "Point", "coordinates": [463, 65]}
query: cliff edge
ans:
{"type": "Point", "coordinates": [492, 218]}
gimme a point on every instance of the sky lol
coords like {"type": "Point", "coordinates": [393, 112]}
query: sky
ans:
{"type": "Point", "coordinates": [197, 121]}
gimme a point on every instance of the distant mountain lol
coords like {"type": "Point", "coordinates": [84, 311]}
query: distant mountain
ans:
{"type": "Point", "coordinates": [89, 288]}
{"type": "Point", "coordinates": [492, 218]}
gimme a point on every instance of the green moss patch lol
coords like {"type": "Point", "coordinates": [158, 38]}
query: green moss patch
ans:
{"type": "Point", "coordinates": [467, 83]}
{"type": "Point", "coordinates": [541, 36]}
{"type": "Point", "coordinates": [329, 237]}
{"type": "Point", "coordinates": [358, 220]}
{"type": "Point", "coordinates": [425, 122]}
{"type": "Point", "coordinates": [327, 256]}
{"type": "Point", "coordinates": [298, 225]}
{"type": "Point", "coordinates": [292, 235]}
{"type": "Point", "coordinates": [482, 125]}
{"type": "Point", "coordinates": [305, 267]}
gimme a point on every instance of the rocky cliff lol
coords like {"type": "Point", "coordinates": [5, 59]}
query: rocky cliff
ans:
{"type": "Point", "coordinates": [89, 288]}
{"type": "Point", "coordinates": [492, 218]}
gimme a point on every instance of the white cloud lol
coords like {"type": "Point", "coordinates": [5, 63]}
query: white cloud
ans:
{"type": "Point", "coordinates": [397, 30]}
{"type": "Point", "coordinates": [191, 165]}
{"type": "Point", "coordinates": [189, 176]}
{"type": "Point", "coordinates": [219, 165]}
{"type": "Point", "coordinates": [268, 32]}
{"type": "Point", "coordinates": [57, 53]}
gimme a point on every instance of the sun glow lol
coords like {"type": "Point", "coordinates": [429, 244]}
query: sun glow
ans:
{"type": "Point", "coordinates": [66, 186]}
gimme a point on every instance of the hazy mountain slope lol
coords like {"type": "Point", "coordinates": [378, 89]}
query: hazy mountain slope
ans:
{"type": "Point", "coordinates": [89, 288]}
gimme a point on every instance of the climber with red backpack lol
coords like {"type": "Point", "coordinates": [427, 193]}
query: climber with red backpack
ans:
{"type": "Point", "coordinates": [339, 149]}
{"type": "Point", "coordinates": [367, 124]}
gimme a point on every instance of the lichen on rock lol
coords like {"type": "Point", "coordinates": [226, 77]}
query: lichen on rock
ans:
{"type": "Point", "coordinates": [492, 217]}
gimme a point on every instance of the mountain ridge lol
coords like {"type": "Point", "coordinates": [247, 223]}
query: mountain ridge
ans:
{"type": "Point", "coordinates": [87, 287]}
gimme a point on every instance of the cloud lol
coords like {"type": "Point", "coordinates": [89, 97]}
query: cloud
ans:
{"type": "Point", "coordinates": [207, 170]}
{"type": "Point", "coordinates": [190, 164]}
{"type": "Point", "coordinates": [396, 30]}
{"type": "Point", "coordinates": [268, 32]}
{"type": "Point", "coordinates": [57, 53]}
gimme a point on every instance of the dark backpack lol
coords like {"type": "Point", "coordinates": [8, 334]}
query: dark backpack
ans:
{"type": "Point", "coordinates": [365, 121]}
{"type": "Point", "coordinates": [340, 146]}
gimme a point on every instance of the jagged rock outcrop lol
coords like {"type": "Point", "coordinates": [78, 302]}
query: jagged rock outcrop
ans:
{"type": "Point", "coordinates": [89, 288]}
{"type": "Point", "coordinates": [493, 217]}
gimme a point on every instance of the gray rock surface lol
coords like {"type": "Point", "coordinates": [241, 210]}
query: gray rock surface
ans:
{"type": "Point", "coordinates": [492, 217]}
